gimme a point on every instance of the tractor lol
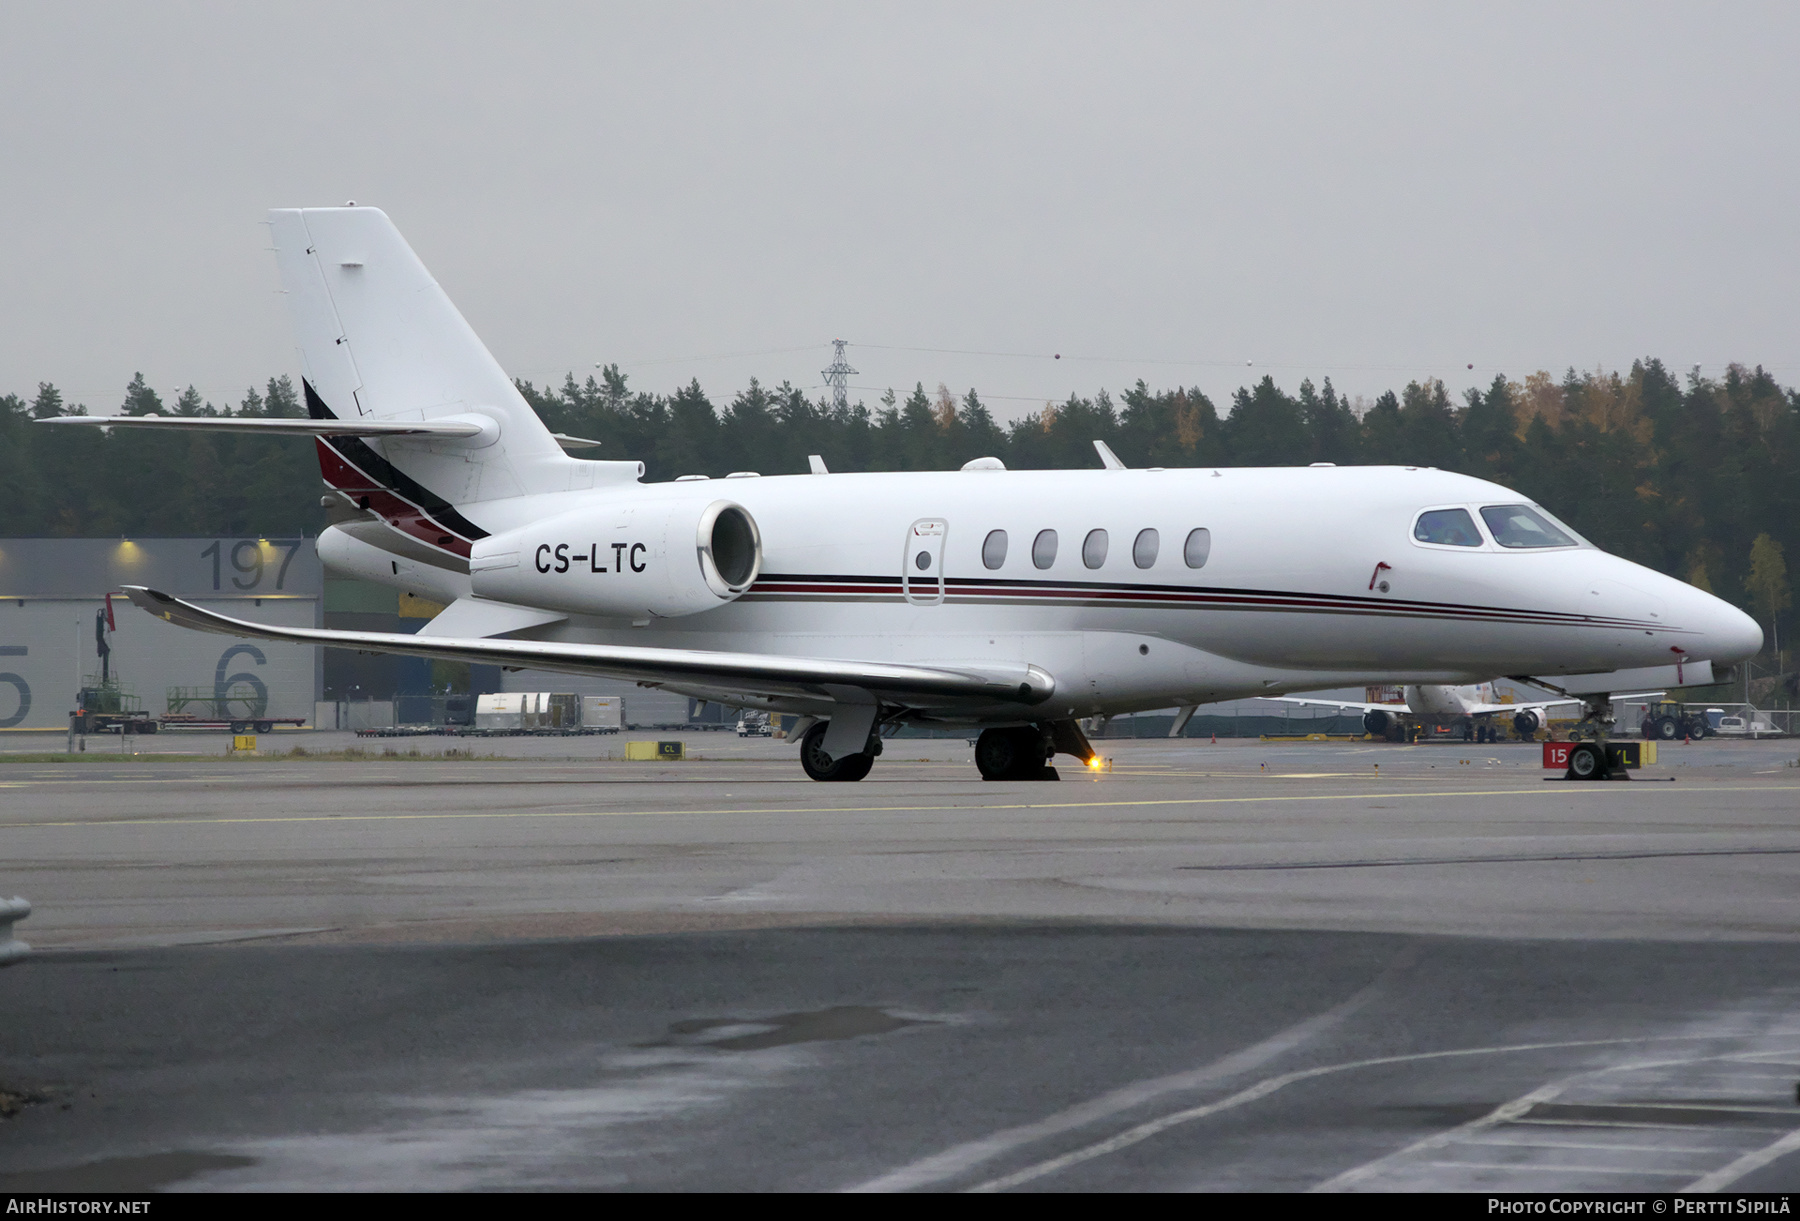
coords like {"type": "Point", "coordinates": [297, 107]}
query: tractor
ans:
{"type": "Point", "coordinates": [1666, 720]}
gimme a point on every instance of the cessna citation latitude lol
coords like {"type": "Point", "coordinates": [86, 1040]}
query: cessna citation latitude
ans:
{"type": "Point", "coordinates": [1011, 603]}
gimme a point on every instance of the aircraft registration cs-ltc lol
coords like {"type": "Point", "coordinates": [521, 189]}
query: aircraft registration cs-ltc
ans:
{"type": "Point", "coordinates": [1012, 603]}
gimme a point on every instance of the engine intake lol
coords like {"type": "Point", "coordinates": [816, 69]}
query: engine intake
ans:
{"type": "Point", "coordinates": [627, 561]}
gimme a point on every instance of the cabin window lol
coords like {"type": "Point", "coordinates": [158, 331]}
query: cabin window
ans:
{"type": "Point", "coordinates": [1197, 547]}
{"type": "Point", "coordinates": [1043, 548]}
{"type": "Point", "coordinates": [1093, 548]}
{"type": "Point", "coordinates": [1447, 528]}
{"type": "Point", "coordinates": [1524, 526]}
{"type": "Point", "coordinates": [1144, 548]}
{"type": "Point", "coordinates": [993, 549]}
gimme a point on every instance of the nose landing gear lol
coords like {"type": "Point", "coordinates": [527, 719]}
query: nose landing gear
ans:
{"type": "Point", "coordinates": [1593, 760]}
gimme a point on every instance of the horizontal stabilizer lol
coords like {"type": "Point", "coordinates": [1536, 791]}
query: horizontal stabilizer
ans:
{"type": "Point", "coordinates": [310, 428]}
{"type": "Point", "coordinates": [946, 686]}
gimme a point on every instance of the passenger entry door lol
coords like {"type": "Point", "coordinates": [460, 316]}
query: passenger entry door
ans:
{"type": "Point", "coordinates": [922, 567]}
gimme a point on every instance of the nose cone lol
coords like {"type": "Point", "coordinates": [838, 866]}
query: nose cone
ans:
{"type": "Point", "coordinates": [1731, 635]}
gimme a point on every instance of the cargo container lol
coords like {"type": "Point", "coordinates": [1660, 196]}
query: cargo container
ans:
{"type": "Point", "coordinates": [602, 713]}
{"type": "Point", "coordinates": [548, 713]}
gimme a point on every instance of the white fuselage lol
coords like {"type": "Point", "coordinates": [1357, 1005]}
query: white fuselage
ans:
{"type": "Point", "coordinates": [1312, 580]}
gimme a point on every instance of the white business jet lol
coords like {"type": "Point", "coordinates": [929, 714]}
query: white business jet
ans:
{"type": "Point", "coordinates": [1008, 602]}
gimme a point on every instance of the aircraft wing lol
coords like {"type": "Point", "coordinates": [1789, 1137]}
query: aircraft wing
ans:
{"type": "Point", "coordinates": [820, 680]}
{"type": "Point", "coordinates": [1477, 709]}
{"type": "Point", "coordinates": [1340, 705]}
{"type": "Point", "coordinates": [1521, 706]}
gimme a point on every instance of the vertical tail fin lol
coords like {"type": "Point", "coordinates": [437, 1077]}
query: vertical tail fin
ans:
{"type": "Point", "coordinates": [379, 339]}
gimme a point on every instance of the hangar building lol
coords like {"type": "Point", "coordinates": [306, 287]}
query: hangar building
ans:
{"type": "Point", "coordinates": [52, 589]}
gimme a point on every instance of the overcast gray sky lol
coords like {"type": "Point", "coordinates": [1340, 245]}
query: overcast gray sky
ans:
{"type": "Point", "coordinates": [1166, 191]}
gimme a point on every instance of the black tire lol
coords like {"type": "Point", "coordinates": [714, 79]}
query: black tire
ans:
{"type": "Point", "coordinates": [1010, 754]}
{"type": "Point", "coordinates": [1667, 728]}
{"type": "Point", "coordinates": [1587, 762]}
{"type": "Point", "coordinates": [239, 726]}
{"type": "Point", "coordinates": [821, 766]}
{"type": "Point", "coordinates": [264, 727]}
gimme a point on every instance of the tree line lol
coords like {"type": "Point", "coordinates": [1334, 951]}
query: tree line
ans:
{"type": "Point", "coordinates": [1693, 476]}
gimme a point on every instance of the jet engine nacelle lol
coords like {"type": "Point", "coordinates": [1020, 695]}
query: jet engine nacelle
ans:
{"type": "Point", "coordinates": [1527, 723]}
{"type": "Point", "coordinates": [626, 561]}
{"type": "Point", "coordinates": [1376, 724]}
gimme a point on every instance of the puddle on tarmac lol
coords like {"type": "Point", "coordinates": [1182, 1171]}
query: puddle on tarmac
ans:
{"type": "Point", "coordinates": [148, 1173]}
{"type": "Point", "coordinates": [782, 1029]}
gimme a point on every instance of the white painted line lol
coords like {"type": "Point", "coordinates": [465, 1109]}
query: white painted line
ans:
{"type": "Point", "coordinates": [1555, 1168]}
{"type": "Point", "coordinates": [1620, 1123]}
{"type": "Point", "coordinates": [932, 1169]}
{"type": "Point", "coordinates": [1498, 1141]}
{"type": "Point", "coordinates": [1263, 1089]}
{"type": "Point", "coordinates": [959, 1159]}
{"type": "Point", "coordinates": [1501, 1114]}
{"type": "Point", "coordinates": [1731, 1172]}
{"type": "Point", "coordinates": [1517, 1109]}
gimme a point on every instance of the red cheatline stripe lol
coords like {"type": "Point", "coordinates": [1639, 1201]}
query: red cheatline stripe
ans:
{"type": "Point", "coordinates": [396, 510]}
{"type": "Point", "coordinates": [1047, 593]}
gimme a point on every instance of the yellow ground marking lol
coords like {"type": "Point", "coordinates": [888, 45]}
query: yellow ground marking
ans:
{"type": "Point", "coordinates": [915, 809]}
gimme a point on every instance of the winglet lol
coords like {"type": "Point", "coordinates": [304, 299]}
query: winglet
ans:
{"type": "Point", "coordinates": [1108, 459]}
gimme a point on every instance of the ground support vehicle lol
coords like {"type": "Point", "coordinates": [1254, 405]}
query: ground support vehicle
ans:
{"type": "Point", "coordinates": [1667, 720]}
{"type": "Point", "coordinates": [1598, 760]}
{"type": "Point", "coordinates": [1750, 725]}
{"type": "Point", "coordinates": [105, 708]}
{"type": "Point", "coordinates": [240, 708]}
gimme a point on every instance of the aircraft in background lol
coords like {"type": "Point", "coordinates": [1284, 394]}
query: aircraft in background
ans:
{"type": "Point", "coordinates": [1469, 711]}
{"type": "Point", "coordinates": [1012, 603]}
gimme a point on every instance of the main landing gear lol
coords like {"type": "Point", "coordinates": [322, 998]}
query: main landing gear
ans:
{"type": "Point", "coordinates": [1020, 752]}
{"type": "Point", "coordinates": [1013, 752]}
{"type": "Point", "coordinates": [821, 766]}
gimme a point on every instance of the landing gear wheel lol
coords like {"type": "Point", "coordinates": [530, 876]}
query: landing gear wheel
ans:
{"type": "Point", "coordinates": [1013, 754]}
{"type": "Point", "coordinates": [821, 766]}
{"type": "Point", "coordinates": [1587, 762]}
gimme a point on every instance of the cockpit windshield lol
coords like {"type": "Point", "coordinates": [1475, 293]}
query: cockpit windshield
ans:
{"type": "Point", "coordinates": [1447, 528]}
{"type": "Point", "coordinates": [1524, 526]}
